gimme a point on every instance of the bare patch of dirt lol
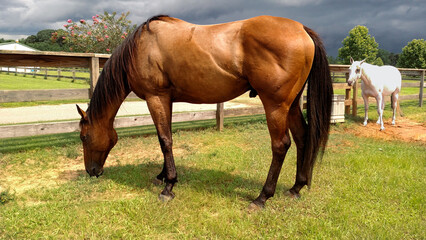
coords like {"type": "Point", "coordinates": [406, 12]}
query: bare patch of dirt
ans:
{"type": "Point", "coordinates": [404, 130]}
{"type": "Point", "coordinates": [68, 170]}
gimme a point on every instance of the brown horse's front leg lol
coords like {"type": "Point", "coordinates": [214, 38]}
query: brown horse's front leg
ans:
{"type": "Point", "coordinates": [160, 108]}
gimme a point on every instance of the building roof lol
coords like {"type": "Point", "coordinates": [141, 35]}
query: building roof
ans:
{"type": "Point", "coordinates": [16, 46]}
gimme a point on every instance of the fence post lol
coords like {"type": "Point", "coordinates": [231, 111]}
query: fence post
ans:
{"type": "Point", "coordinates": [220, 115]}
{"type": "Point", "coordinates": [422, 82]}
{"type": "Point", "coordinates": [94, 74]}
{"type": "Point", "coordinates": [73, 74]}
{"type": "Point", "coordinates": [347, 96]}
{"type": "Point", "coordinates": [59, 74]}
{"type": "Point", "coordinates": [354, 100]}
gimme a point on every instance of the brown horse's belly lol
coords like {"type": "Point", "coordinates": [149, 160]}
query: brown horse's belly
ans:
{"type": "Point", "coordinates": [209, 90]}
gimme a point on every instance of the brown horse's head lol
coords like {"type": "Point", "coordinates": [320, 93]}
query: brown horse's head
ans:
{"type": "Point", "coordinates": [98, 140]}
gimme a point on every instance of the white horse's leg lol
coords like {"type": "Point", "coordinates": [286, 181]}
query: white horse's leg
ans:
{"type": "Point", "coordinates": [379, 100]}
{"type": "Point", "coordinates": [382, 106]}
{"type": "Point", "coordinates": [365, 97]}
{"type": "Point", "coordinates": [394, 106]}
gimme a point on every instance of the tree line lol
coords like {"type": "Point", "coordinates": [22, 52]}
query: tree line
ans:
{"type": "Point", "coordinates": [359, 44]}
{"type": "Point", "coordinates": [104, 32]}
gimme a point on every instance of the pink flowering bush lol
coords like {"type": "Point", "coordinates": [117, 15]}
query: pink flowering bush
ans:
{"type": "Point", "coordinates": [102, 34]}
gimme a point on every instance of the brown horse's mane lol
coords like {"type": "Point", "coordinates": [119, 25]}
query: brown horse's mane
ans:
{"type": "Point", "coordinates": [113, 85]}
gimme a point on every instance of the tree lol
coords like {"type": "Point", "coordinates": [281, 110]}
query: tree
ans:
{"type": "Point", "coordinates": [378, 62]}
{"type": "Point", "coordinates": [358, 45]}
{"type": "Point", "coordinates": [413, 55]}
{"type": "Point", "coordinates": [389, 58]}
{"type": "Point", "coordinates": [41, 41]}
{"type": "Point", "coordinates": [102, 35]}
{"type": "Point", "coordinates": [2, 40]}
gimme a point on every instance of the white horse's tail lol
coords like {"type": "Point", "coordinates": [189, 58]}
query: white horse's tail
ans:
{"type": "Point", "coordinates": [398, 107]}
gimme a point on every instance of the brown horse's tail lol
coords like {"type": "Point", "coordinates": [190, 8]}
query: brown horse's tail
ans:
{"type": "Point", "coordinates": [319, 103]}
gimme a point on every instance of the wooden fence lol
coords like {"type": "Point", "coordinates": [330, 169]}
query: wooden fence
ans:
{"type": "Point", "coordinates": [96, 61]}
{"type": "Point", "coordinates": [47, 72]}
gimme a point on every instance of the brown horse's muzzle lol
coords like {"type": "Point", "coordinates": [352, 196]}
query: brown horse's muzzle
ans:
{"type": "Point", "coordinates": [95, 171]}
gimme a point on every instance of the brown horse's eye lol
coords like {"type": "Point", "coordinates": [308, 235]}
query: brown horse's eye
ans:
{"type": "Point", "coordinates": [83, 138]}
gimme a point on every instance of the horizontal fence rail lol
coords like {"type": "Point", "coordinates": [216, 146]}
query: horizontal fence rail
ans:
{"type": "Point", "coordinates": [93, 62]}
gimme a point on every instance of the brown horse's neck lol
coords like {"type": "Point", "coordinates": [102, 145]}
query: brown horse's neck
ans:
{"type": "Point", "coordinates": [108, 115]}
{"type": "Point", "coordinates": [107, 98]}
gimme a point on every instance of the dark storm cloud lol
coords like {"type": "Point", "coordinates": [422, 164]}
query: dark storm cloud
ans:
{"type": "Point", "coordinates": [392, 22]}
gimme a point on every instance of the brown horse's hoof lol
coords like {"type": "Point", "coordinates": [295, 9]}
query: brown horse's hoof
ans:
{"type": "Point", "coordinates": [157, 182]}
{"type": "Point", "coordinates": [292, 194]}
{"type": "Point", "coordinates": [253, 207]}
{"type": "Point", "coordinates": [166, 198]}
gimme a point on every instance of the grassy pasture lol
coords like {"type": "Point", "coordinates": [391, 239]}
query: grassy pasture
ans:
{"type": "Point", "coordinates": [19, 82]}
{"type": "Point", "coordinates": [362, 189]}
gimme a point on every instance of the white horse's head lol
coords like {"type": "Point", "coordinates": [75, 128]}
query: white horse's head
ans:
{"type": "Point", "coordinates": [355, 71]}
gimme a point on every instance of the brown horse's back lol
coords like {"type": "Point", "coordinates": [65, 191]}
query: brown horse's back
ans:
{"type": "Point", "coordinates": [216, 63]}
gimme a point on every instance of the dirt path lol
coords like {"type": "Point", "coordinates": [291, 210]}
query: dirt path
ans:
{"type": "Point", "coordinates": [404, 130]}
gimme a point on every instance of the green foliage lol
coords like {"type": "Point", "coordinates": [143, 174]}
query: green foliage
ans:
{"type": "Point", "coordinates": [378, 62]}
{"type": "Point", "coordinates": [2, 40]}
{"type": "Point", "coordinates": [41, 41]}
{"type": "Point", "coordinates": [358, 45]}
{"type": "Point", "coordinates": [102, 35]}
{"type": "Point", "coordinates": [413, 55]}
{"type": "Point", "coordinates": [388, 58]}
{"type": "Point", "coordinates": [332, 60]}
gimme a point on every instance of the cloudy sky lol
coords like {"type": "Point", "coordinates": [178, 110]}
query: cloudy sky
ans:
{"type": "Point", "coordinates": [392, 22]}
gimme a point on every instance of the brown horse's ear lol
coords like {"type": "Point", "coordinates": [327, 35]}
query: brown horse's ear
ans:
{"type": "Point", "coordinates": [81, 112]}
{"type": "Point", "coordinates": [352, 60]}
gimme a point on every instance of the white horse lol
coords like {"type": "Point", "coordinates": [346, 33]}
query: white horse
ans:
{"type": "Point", "coordinates": [377, 82]}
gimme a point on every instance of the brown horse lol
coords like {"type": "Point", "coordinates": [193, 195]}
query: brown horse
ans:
{"type": "Point", "coordinates": [168, 60]}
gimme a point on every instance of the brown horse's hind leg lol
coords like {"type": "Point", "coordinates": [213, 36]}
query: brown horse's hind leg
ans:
{"type": "Point", "coordinates": [160, 108]}
{"type": "Point", "coordinates": [280, 140]}
{"type": "Point", "coordinates": [298, 128]}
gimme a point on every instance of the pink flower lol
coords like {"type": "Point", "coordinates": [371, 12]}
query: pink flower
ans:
{"type": "Point", "coordinates": [123, 37]}
{"type": "Point", "coordinates": [106, 36]}
{"type": "Point", "coordinates": [105, 26]}
{"type": "Point", "coordinates": [64, 38]}
{"type": "Point", "coordinates": [97, 15]}
{"type": "Point", "coordinates": [69, 21]}
{"type": "Point", "coordinates": [65, 26]}
{"type": "Point", "coordinates": [82, 21]}
{"type": "Point", "coordinates": [108, 49]}
{"type": "Point", "coordinates": [89, 33]}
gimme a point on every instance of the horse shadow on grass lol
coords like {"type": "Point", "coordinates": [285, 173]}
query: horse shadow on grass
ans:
{"type": "Point", "coordinates": [141, 176]}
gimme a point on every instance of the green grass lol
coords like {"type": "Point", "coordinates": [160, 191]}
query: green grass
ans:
{"type": "Point", "coordinates": [410, 109]}
{"type": "Point", "coordinates": [12, 82]}
{"type": "Point", "coordinates": [362, 189]}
